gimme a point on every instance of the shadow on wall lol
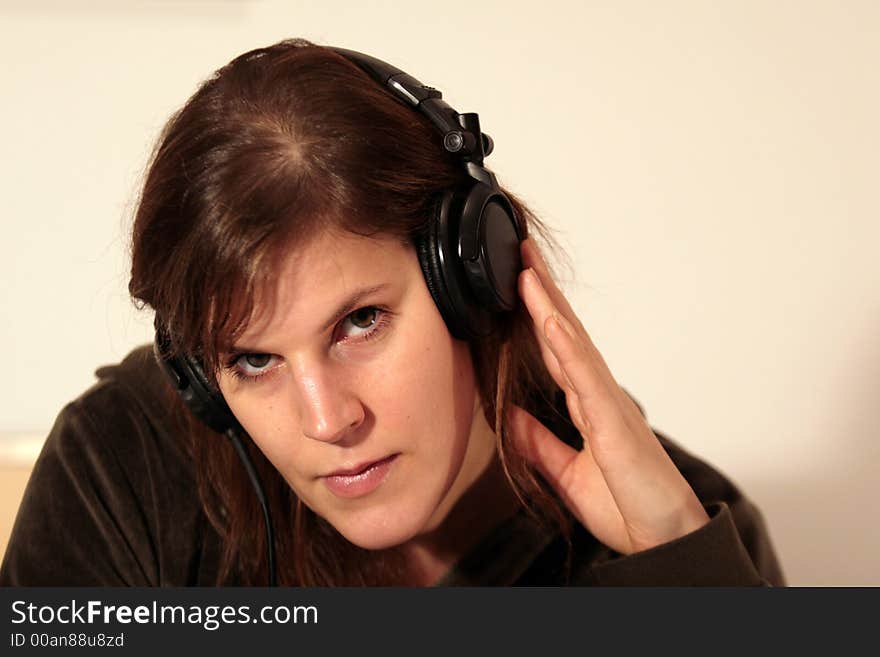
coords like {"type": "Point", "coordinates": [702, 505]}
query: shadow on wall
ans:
{"type": "Point", "coordinates": [825, 524]}
{"type": "Point", "coordinates": [824, 529]}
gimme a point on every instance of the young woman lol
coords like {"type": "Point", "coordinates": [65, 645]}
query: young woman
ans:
{"type": "Point", "coordinates": [320, 240]}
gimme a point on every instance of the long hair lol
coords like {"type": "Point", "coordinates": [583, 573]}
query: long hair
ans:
{"type": "Point", "coordinates": [280, 144]}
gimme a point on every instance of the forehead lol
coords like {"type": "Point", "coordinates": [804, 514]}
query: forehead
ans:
{"type": "Point", "coordinates": [312, 278]}
{"type": "Point", "coordinates": [326, 257]}
{"type": "Point", "coordinates": [335, 263]}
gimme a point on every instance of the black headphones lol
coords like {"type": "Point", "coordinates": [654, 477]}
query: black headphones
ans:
{"type": "Point", "coordinates": [470, 258]}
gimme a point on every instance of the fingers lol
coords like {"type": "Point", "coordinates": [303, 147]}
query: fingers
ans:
{"type": "Point", "coordinates": [570, 356]}
{"type": "Point", "coordinates": [575, 476]}
{"type": "Point", "coordinates": [596, 401]}
{"type": "Point", "coordinates": [528, 289]}
{"type": "Point", "coordinates": [559, 340]}
{"type": "Point", "coordinates": [531, 257]}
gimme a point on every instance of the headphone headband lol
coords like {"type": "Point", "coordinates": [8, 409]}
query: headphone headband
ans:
{"type": "Point", "coordinates": [461, 132]}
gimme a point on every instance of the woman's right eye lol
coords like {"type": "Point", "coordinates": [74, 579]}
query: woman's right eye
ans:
{"type": "Point", "coordinates": [250, 367]}
{"type": "Point", "coordinates": [257, 360]}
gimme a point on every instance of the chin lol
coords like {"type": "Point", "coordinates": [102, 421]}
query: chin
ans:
{"type": "Point", "coordinates": [374, 542]}
{"type": "Point", "coordinates": [380, 532]}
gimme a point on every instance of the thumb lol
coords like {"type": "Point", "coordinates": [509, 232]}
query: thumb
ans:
{"type": "Point", "coordinates": [575, 477]}
{"type": "Point", "coordinates": [540, 447]}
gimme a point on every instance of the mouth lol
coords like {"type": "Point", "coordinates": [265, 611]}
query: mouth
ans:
{"type": "Point", "coordinates": [358, 469]}
{"type": "Point", "coordinates": [361, 479]}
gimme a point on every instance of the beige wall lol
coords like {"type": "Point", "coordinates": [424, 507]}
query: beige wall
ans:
{"type": "Point", "coordinates": [712, 168]}
{"type": "Point", "coordinates": [12, 483]}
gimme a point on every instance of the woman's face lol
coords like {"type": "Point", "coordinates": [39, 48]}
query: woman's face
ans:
{"type": "Point", "coordinates": [350, 383]}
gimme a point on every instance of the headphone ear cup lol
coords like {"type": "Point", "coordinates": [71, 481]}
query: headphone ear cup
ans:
{"type": "Point", "coordinates": [489, 248]}
{"type": "Point", "coordinates": [188, 379]}
{"type": "Point", "coordinates": [428, 250]}
{"type": "Point", "coordinates": [476, 221]}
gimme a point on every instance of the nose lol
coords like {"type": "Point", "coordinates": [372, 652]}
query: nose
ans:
{"type": "Point", "coordinates": [329, 410]}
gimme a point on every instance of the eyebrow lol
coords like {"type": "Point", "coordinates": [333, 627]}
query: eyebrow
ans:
{"type": "Point", "coordinates": [352, 302]}
{"type": "Point", "coordinates": [347, 306]}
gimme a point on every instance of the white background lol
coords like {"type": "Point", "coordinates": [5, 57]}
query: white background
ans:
{"type": "Point", "coordinates": [711, 168]}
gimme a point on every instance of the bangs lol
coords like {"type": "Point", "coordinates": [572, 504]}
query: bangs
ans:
{"type": "Point", "coordinates": [241, 296]}
{"type": "Point", "coordinates": [237, 298]}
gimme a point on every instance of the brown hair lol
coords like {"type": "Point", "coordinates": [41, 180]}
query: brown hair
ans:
{"type": "Point", "coordinates": [280, 144]}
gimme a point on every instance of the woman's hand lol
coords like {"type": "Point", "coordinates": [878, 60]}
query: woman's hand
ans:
{"type": "Point", "coordinates": [622, 486]}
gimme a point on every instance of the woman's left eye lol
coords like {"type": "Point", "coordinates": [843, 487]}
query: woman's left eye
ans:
{"type": "Point", "coordinates": [368, 321]}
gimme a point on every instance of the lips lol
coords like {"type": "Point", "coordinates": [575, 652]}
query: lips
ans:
{"type": "Point", "coordinates": [358, 469]}
{"type": "Point", "coordinates": [359, 480]}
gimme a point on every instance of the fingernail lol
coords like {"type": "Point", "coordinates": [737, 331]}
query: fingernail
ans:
{"type": "Point", "coordinates": [535, 276]}
{"type": "Point", "coordinates": [537, 252]}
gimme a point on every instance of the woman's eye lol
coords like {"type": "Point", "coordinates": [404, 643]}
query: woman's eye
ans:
{"type": "Point", "coordinates": [367, 322]}
{"type": "Point", "coordinates": [364, 318]}
{"type": "Point", "coordinates": [257, 360]}
{"type": "Point", "coordinates": [253, 365]}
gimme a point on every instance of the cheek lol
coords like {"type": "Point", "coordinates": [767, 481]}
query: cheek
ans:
{"type": "Point", "coordinates": [431, 399]}
{"type": "Point", "coordinates": [427, 378]}
{"type": "Point", "coordinates": [273, 426]}
{"type": "Point", "coordinates": [263, 410]}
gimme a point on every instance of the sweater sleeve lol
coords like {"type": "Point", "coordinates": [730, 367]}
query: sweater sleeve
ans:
{"type": "Point", "coordinates": [732, 549]}
{"type": "Point", "coordinates": [710, 556]}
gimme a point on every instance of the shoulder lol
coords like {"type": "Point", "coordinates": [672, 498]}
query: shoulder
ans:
{"type": "Point", "coordinates": [114, 468]}
{"type": "Point", "coordinates": [709, 483]}
{"type": "Point", "coordinates": [123, 421]}
{"type": "Point", "coordinates": [137, 381]}
{"type": "Point", "coordinates": [728, 506]}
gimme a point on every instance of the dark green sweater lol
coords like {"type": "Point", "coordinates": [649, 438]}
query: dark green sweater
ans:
{"type": "Point", "coordinates": [112, 502]}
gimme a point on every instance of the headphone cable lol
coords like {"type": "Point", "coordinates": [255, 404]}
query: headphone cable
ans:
{"type": "Point", "coordinates": [233, 436]}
